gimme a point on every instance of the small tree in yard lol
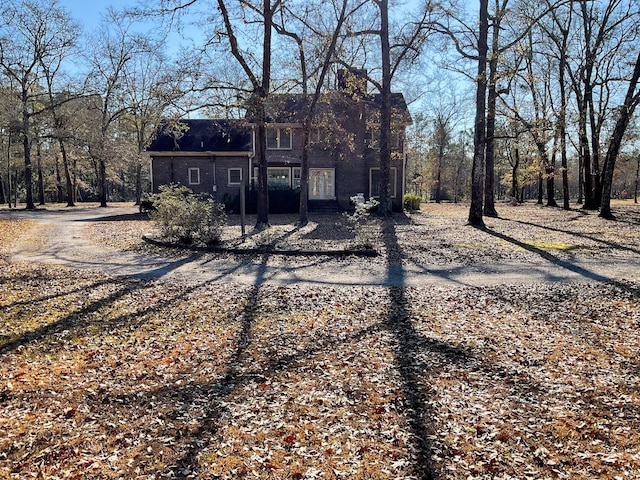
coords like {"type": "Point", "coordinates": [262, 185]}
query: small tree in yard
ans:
{"type": "Point", "coordinates": [186, 217]}
{"type": "Point", "coordinates": [360, 222]}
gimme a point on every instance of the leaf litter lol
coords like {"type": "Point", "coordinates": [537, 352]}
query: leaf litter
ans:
{"type": "Point", "coordinates": [115, 377]}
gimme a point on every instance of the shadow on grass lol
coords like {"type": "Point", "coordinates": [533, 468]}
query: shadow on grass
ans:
{"type": "Point", "coordinates": [75, 320]}
{"type": "Point", "coordinates": [409, 345]}
{"type": "Point", "coordinates": [585, 273]}
{"type": "Point", "coordinates": [601, 241]}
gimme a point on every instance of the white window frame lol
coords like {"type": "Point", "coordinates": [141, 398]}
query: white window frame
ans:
{"type": "Point", "coordinates": [279, 138]}
{"type": "Point", "coordinates": [271, 169]}
{"type": "Point", "coordinates": [190, 173]}
{"type": "Point", "coordinates": [394, 181]}
{"type": "Point", "coordinates": [233, 169]}
{"type": "Point", "coordinates": [296, 174]}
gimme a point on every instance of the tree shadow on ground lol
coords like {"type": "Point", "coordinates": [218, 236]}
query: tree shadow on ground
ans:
{"type": "Point", "coordinates": [601, 241]}
{"type": "Point", "coordinates": [125, 217]}
{"type": "Point", "coordinates": [125, 286]}
{"type": "Point", "coordinates": [409, 344]}
{"type": "Point", "coordinates": [587, 274]}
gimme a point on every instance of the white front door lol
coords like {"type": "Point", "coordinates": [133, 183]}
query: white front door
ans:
{"type": "Point", "coordinates": [322, 184]}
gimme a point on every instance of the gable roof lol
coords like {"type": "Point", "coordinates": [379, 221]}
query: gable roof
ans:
{"type": "Point", "coordinates": [202, 135]}
{"type": "Point", "coordinates": [288, 108]}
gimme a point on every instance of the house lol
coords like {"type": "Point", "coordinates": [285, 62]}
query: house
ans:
{"type": "Point", "coordinates": [216, 156]}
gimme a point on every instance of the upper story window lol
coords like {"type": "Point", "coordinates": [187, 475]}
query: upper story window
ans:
{"type": "Point", "coordinates": [278, 138]}
{"type": "Point", "coordinates": [372, 139]}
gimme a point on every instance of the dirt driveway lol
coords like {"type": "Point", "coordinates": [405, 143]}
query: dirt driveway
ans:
{"type": "Point", "coordinates": [63, 236]}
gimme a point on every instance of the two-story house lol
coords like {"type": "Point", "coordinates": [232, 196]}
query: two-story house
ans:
{"type": "Point", "coordinates": [217, 156]}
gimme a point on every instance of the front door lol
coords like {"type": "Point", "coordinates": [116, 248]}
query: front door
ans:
{"type": "Point", "coordinates": [322, 184]}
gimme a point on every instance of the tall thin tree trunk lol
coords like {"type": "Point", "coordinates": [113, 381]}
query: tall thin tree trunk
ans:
{"type": "Point", "coordinates": [637, 183]}
{"type": "Point", "coordinates": [514, 175]}
{"type": "Point", "coordinates": [489, 185]}
{"type": "Point", "coordinates": [102, 182]}
{"type": "Point", "coordinates": [40, 175]}
{"type": "Point", "coordinates": [59, 189]}
{"type": "Point", "coordinates": [304, 174]}
{"type": "Point", "coordinates": [139, 180]}
{"type": "Point", "coordinates": [385, 111]}
{"type": "Point", "coordinates": [540, 189]}
{"type": "Point", "coordinates": [477, 170]}
{"type": "Point", "coordinates": [28, 174]}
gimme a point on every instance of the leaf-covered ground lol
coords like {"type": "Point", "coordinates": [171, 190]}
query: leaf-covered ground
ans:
{"type": "Point", "coordinates": [116, 377]}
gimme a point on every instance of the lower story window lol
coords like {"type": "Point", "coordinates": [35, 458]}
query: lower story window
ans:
{"type": "Point", "coordinates": [235, 176]}
{"type": "Point", "coordinates": [374, 182]}
{"type": "Point", "coordinates": [194, 176]}
{"type": "Point", "coordinates": [279, 177]}
{"type": "Point", "coordinates": [296, 177]}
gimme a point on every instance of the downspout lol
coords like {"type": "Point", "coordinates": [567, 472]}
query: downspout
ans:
{"type": "Point", "coordinates": [214, 186]}
{"type": "Point", "coordinates": [151, 172]}
{"type": "Point", "coordinates": [252, 155]}
{"type": "Point", "coordinates": [404, 168]}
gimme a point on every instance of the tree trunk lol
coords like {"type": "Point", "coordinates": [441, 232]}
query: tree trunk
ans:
{"type": "Point", "coordinates": [563, 119]}
{"type": "Point", "coordinates": [540, 189]}
{"type": "Point", "coordinates": [28, 173]}
{"type": "Point", "coordinates": [514, 175]}
{"type": "Point", "coordinates": [263, 182]}
{"type": "Point", "coordinates": [102, 182]}
{"type": "Point", "coordinates": [477, 170]}
{"type": "Point", "coordinates": [631, 101]}
{"type": "Point", "coordinates": [489, 186]}
{"type": "Point", "coordinates": [637, 183]}
{"type": "Point", "coordinates": [139, 181]}
{"type": "Point", "coordinates": [385, 112]}
{"type": "Point", "coordinates": [59, 189]}
{"type": "Point", "coordinates": [40, 175]}
{"type": "Point", "coordinates": [303, 218]}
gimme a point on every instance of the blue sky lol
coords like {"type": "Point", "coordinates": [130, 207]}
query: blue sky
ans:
{"type": "Point", "coordinates": [88, 12]}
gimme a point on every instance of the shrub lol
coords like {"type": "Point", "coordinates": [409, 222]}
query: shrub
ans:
{"type": "Point", "coordinates": [411, 202]}
{"type": "Point", "coordinates": [186, 217]}
{"type": "Point", "coordinates": [360, 222]}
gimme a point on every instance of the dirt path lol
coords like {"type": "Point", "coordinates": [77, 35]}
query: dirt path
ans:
{"type": "Point", "coordinates": [62, 238]}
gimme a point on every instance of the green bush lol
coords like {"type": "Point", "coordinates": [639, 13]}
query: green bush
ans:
{"type": "Point", "coordinates": [186, 217]}
{"type": "Point", "coordinates": [411, 202]}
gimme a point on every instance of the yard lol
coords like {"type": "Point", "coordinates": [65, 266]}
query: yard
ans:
{"type": "Point", "coordinates": [107, 376]}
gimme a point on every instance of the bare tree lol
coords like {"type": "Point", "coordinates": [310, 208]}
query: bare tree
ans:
{"type": "Point", "coordinates": [116, 45]}
{"type": "Point", "coordinates": [34, 31]}
{"type": "Point", "coordinates": [631, 101]}
{"type": "Point", "coordinates": [151, 86]}
{"type": "Point", "coordinates": [312, 37]}
{"type": "Point", "coordinates": [51, 66]}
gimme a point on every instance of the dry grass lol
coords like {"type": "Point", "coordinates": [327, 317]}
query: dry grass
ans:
{"type": "Point", "coordinates": [110, 377]}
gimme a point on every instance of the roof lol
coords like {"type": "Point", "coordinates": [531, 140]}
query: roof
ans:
{"type": "Point", "coordinates": [288, 108]}
{"type": "Point", "coordinates": [202, 135]}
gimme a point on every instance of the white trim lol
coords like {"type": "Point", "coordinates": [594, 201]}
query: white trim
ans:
{"type": "Point", "coordinates": [278, 139]}
{"type": "Point", "coordinates": [331, 191]}
{"type": "Point", "coordinates": [229, 182]}
{"type": "Point", "coordinates": [190, 171]}
{"type": "Point", "coordinates": [393, 180]}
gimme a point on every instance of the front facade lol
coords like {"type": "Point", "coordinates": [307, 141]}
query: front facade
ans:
{"type": "Point", "coordinates": [217, 156]}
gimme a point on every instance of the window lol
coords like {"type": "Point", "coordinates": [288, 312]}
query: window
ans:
{"type": "Point", "coordinates": [279, 178]}
{"type": "Point", "coordinates": [374, 182]}
{"type": "Point", "coordinates": [194, 176]}
{"type": "Point", "coordinates": [278, 138]}
{"type": "Point", "coordinates": [372, 137]}
{"type": "Point", "coordinates": [296, 177]}
{"type": "Point", "coordinates": [235, 176]}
